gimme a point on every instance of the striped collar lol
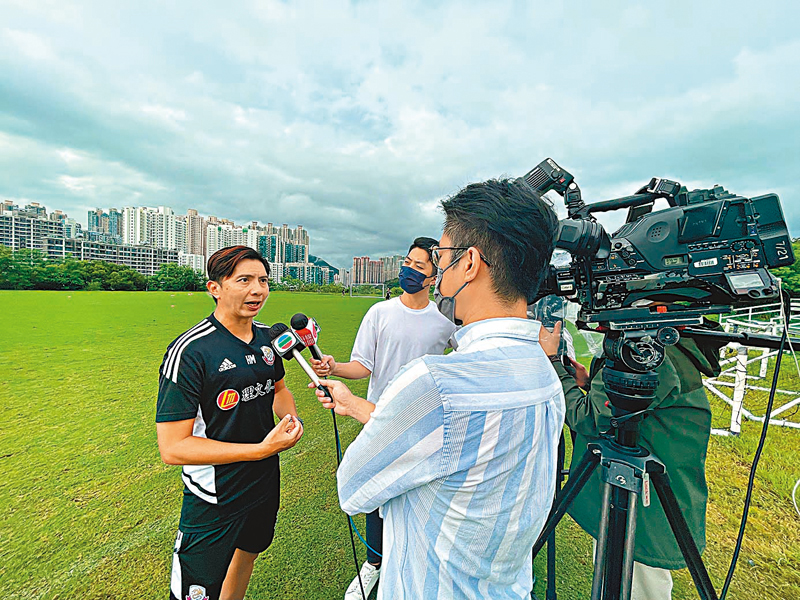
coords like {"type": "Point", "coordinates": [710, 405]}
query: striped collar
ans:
{"type": "Point", "coordinates": [503, 327]}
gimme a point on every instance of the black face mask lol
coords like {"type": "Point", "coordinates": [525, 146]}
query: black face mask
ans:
{"type": "Point", "coordinates": [411, 280]}
{"type": "Point", "coordinates": [447, 304]}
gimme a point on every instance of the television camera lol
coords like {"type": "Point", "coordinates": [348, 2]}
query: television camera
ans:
{"type": "Point", "coordinates": [644, 287]}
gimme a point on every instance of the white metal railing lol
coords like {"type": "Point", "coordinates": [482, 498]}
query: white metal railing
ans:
{"type": "Point", "coordinates": [766, 319]}
{"type": "Point", "coordinates": [772, 310]}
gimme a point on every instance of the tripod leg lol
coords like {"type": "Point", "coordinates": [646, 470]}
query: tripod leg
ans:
{"type": "Point", "coordinates": [683, 536]}
{"type": "Point", "coordinates": [615, 543]}
{"type": "Point", "coordinates": [630, 544]}
{"type": "Point", "coordinates": [602, 543]}
{"type": "Point", "coordinates": [574, 485]}
{"type": "Point", "coordinates": [550, 594]}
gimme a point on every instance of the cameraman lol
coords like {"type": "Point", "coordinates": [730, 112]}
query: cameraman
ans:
{"type": "Point", "coordinates": [676, 431]}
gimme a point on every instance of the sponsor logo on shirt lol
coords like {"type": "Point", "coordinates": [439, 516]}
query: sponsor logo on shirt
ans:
{"type": "Point", "coordinates": [254, 391]}
{"type": "Point", "coordinates": [226, 364]}
{"type": "Point", "coordinates": [197, 592]}
{"type": "Point", "coordinates": [269, 355]}
{"type": "Point", "coordinates": [251, 359]}
{"type": "Point", "coordinates": [228, 399]}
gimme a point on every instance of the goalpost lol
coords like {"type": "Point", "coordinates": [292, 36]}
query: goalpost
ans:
{"type": "Point", "coordinates": [368, 290]}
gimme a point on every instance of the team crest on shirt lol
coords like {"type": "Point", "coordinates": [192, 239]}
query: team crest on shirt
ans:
{"type": "Point", "coordinates": [197, 592]}
{"type": "Point", "coordinates": [269, 355]}
{"type": "Point", "coordinates": [228, 399]}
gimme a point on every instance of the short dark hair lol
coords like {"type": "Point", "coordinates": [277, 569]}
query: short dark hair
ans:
{"type": "Point", "coordinates": [424, 243]}
{"type": "Point", "coordinates": [512, 225]}
{"type": "Point", "coordinates": [223, 262]}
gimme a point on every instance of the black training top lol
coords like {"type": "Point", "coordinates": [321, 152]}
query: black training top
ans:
{"type": "Point", "coordinates": [227, 387]}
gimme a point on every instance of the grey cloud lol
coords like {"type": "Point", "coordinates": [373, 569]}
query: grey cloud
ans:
{"type": "Point", "coordinates": [354, 119]}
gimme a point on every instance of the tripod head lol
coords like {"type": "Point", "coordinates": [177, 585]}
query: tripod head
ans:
{"type": "Point", "coordinates": [635, 342]}
{"type": "Point", "coordinates": [635, 345]}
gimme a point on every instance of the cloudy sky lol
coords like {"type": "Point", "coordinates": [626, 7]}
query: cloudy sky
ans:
{"type": "Point", "coordinates": [355, 118]}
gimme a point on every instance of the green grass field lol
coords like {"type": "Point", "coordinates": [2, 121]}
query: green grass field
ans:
{"type": "Point", "coordinates": [87, 509]}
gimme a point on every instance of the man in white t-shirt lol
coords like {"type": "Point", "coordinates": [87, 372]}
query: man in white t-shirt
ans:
{"type": "Point", "coordinates": [392, 334]}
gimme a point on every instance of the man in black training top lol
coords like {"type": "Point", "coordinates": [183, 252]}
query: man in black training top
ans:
{"type": "Point", "coordinates": [219, 385]}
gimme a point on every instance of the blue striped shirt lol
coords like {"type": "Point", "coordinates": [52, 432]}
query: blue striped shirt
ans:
{"type": "Point", "coordinates": [460, 453]}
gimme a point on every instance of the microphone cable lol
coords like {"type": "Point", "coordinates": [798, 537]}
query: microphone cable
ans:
{"type": "Point", "coordinates": [281, 328]}
{"type": "Point", "coordinates": [756, 458]}
{"type": "Point", "coordinates": [350, 524]}
{"type": "Point", "coordinates": [339, 462]}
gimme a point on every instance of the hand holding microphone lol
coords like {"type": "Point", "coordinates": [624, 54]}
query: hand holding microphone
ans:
{"type": "Point", "coordinates": [337, 396]}
{"type": "Point", "coordinates": [289, 344]}
{"type": "Point", "coordinates": [325, 366]}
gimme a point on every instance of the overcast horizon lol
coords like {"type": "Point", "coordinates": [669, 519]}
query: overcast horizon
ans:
{"type": "Point", "coordinates": [354, 119]}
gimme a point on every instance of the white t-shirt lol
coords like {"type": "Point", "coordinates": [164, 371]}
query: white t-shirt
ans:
{"type": "Point", "coordinates": [391, 335]}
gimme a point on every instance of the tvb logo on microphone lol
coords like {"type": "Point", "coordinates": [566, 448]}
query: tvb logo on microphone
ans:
{"type": "Point", "coordinates": [284, 342]}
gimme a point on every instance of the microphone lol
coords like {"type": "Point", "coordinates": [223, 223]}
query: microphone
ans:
{"type": "Point", "coordinates": [286, 343]}
{"type": "Point", "coordinates": [307, 330]}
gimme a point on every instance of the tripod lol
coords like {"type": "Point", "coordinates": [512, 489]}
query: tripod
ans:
{"type": "Point", "coordinates": [627, 469]}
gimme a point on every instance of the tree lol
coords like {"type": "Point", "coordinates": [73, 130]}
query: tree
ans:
{"type": "Point", "coordinates": [277, 287]}
{"type": "Point", "coordinates": [790, 276]}
{"type": "Point", "coordinates": [113, 277]}
{"type": "Point", "coordinates": [21, 269]}
{"type": "Point", "coordinates": [7, 279]}
{"type": "Point", "coordinates": [72, 274]}
{"type": "Point", "coordinates": [366, 290]}
{"type": "Point", "coordinates": [292, 284]}
{"type": "Point", "coordinates": [28, 269]}
{"type": "Point", "coordinates": [331, 288]}
{"type": "Point", "coordinates": [173, 277]}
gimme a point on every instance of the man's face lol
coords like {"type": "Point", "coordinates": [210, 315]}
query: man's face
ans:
{"type": "Point", "coordinates": [419, 260]}
{"type": "Point", "coordinates": [244, 293]}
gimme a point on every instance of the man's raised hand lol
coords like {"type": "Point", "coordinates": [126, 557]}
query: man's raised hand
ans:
{"type": "Point", "coordinates": [283, 436]}
{"type": "Point", "coordinates": [344, 402]}
{"type": "Point", "coordinates": [324, 367]}
{"type": "Point", "coordinates": [549, 340]}
{"type": "Point", "coordinates": [581, 374]}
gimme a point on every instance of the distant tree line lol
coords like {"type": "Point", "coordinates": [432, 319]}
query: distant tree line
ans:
{"type": "Point", "coordinates": [31, 270]}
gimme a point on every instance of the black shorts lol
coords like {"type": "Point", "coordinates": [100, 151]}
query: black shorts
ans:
{"type": "Point", "coordinates": [200, 560]}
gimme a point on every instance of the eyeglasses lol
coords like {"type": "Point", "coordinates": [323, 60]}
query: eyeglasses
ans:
{"type": "Point", "coordinates": [435, 257]}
